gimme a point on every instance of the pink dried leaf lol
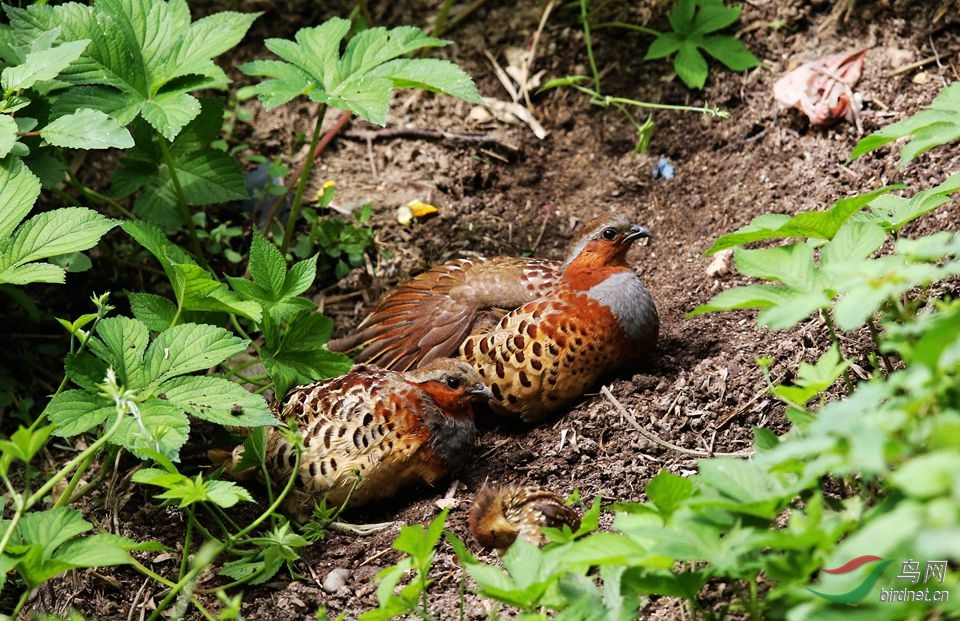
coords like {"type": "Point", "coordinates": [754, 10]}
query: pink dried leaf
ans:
{"type": "Point", "coordinates": [823, 88]}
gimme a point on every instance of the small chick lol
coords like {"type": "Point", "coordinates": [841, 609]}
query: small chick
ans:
{"type": "Point", "coordinates": [500, 513]}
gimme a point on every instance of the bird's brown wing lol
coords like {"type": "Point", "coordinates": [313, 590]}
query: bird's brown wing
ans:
{"type": "Point", "coordinates": [428, 316]}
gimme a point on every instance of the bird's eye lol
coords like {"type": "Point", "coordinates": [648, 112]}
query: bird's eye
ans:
{"type": "Point", "coordinates": [608, 233]}
{"type": "Point", "coordinates": [454, 382]}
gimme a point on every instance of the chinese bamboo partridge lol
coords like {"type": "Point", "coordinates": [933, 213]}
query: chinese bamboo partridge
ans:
{"type": "Point", "coordinates": [563, 325]}
{"type": "Point", "coordinates": [500, 514]}
{"type": "Point", "coordinates": [377, 430]}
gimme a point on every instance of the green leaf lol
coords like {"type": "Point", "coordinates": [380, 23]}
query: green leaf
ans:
{"type": "Point", "coordinates": [895, 212]}
{"type": "Point", "coordinates": [731, 52]}
{"type": "Point", "coordinates": [300, 277]}
{"type": "Point", "coordinates": [690, 65]}
{"type": "Point", "coordinates": [87, 129]}
{"type": "Point", "coordinates": [190, 491]}
{"type": "Point", "coordinates": [8, 134]}
{"type": "Point", "coordinates": [138, 50]}
{"type": "Point", "coordinates": [169, 113]}
{"type": "Point", "coordinates": [42, 64]}
{"type": "Point", "coordinates": [664, 45]}
{"type": "Point", "coordinates": [301, 355]}
{"type": "Point", "coordinates": [217, 400]}
{"type": "Point", "coordinates": [713, 17]}
{"type": "Point", "coordinates": [853, 241]}
{"type": "Point", "coordinates": [813, 380]}
{"type": "Point", "coordinates": [77, 411]}
{"type": "Point", "coordinates": [668, 492]}
{"type": "Point", "coordinates": [267, 266]}
{"type": "Point", "coordinates": [160, 427]}
{"type": "Point", "coordinates": [24, 444]}
{"type": "Point", "coordinates": [187, 348]}
{"type": "Point", "coordinates": [681, 16]}
{"type": "Point", "coordinates": [928, 476]}
{"type": "Point", "coordinates": [935, 125]}
{"type": "Point", "coordinates": [48, 545]}
{"type": "Point", "coordinates": [791, 265]}
{"type": "Point", "coordinates": [362, 79]}
{"type": "Point", "coordinates": [61, 231]}
{"type": "Point", "coordinates": [20, 189]}
{"type": "Point", "coordinates": [154, 311]}
{"type": "Point", "coordinates": [197, 290]}
{"type": "Point", "coordinates": [808, 224]}
{"type": "Point", "coordinates": [123, 342]}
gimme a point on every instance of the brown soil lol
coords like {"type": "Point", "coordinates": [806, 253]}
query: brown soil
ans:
{"type": "Point", "coordinates": [703, 389]}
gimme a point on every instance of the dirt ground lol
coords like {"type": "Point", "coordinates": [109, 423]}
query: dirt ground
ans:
{"type": "Point", "coordinates": [702, 390]}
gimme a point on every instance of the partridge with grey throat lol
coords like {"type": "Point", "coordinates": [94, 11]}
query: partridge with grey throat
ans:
{"type": "Point", "coordinates": [562, 326]}
{"type": "Point", "coordinates": [373, 431]}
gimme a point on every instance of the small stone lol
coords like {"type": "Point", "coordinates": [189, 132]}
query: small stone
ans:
{"type": "Point", "coordinates": [336, 579]}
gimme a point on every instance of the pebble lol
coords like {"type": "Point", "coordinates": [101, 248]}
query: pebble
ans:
{"type": "Point", "coordinates": [336, 579]}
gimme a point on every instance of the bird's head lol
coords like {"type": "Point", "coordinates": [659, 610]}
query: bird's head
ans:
{"type": "Point", "coordinates": [488, 522]}
{"type": "Point", "coordinates": [452, 384]}
{"type": "Point", "coordinates": [603, 243]}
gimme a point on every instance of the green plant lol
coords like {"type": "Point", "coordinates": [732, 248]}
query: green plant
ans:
{"type": "Point", "coordinates": [644, 130]}
{"type": "Point", "coordinates": [120, 61]}
{"type": "Point", "coordinates": [419, 544]}
{"type": "Point", "coordinates": [694, 24]}
{"type": "Point", "coordinates": [360, 80]}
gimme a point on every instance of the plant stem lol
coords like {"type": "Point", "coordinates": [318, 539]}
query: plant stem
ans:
{"type": "Point", "coordinates": [20, 604]}
{"type": "Point", "coordinates": [836, 341]}
{"type": "Point", "coordinates": [182, 202]}
{"type": "Point", "coordinates": [875, 333]}
{"type": "Point", "coordinates": [607, 100]}
{"type": "Point", "coordinates": [441, 22]}
{"type": "Point", "coordinates": [67, 494]}
{"type": "Point", "coordinates": [585, 20]}
{"type": "Point", "coordinates": [302, 183]}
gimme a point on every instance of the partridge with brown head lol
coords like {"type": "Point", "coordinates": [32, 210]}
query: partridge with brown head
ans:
{"type": "Point", "coordinates": [375, 431]}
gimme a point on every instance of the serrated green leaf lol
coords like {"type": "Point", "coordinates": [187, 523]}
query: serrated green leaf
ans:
{"type": "Point", "coordinates": [936, 125]}
{"type": "Point", "coordinates": [41, 65]}
{"type": "Point", "coordinates": [87, 129]}
{"type": "Point", "coordinates": [363, 79]}
{"type": "Point", "coordinates": [810, 224]}
{"type": "Point", "coordinates": [20, 189]}
{"type": "Point", "coordinates": [85, 370]}
{"type": "Point", "coordinates": [209, 37]}
{"type": "Point", "coordinates": [169, 113]}
{"type": "Point", "coordinates": [51, 233]}
{"type": "Point", "coordinates": [895, 212]}
{"type": "Point", "coordinates": [267, 266]}
{"type": "Point", "coordinates": [154, 311]}
{"type": "Point", "coordinates": [187, 348]}
{"type": "Point", "coordinates": [853, 241]}
{"type": "Point", "coordinates": [302, 355]}
{"type": "Point", "coordinates": [731, 52]}
{"type": "Point", "coordinates": [8, 134]}
{"type": "Point", "coordinates": [192, 490]}
{"type": "Point", "coordinates": [156, 243]}
{"type": "Point", "coordinates": [77, 411]}
{"type": "Point", "coordinates": [160, 427]}
{"type": "Point", "coordinates": [217, 400]}
{"type": "Point", "coordinates": [33, 272]}
{"type": "Point", "coordinates": [791, 265]}
{"type": "Point", "coordinates": [690, 65]}
{"type": "Point", "coordinates": [123, 342]}
{"type": "Point", "coordinates": [197, 290]}
{"type": "Point", "coordinates": [122, 106]}
{"type": "Point", "coordinates": [749, 296]}
{"type": "Point", "coordinates": [300, 277]}
{"type": "Point", "coordinates": [668, 491]}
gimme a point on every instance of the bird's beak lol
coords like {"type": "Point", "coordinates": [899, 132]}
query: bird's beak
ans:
{"type": "Point", "coordinates": [637, 231]}
{"type": "Point", "coordinates": [481, 389]}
